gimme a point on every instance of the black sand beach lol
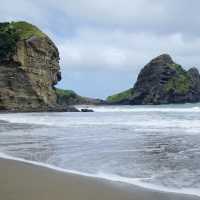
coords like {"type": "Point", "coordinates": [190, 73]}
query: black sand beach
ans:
{"type": "Point", "coordinates": [22, 181]}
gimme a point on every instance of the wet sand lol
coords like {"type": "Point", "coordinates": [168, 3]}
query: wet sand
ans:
{"type": "Point", "coordinates": [23, 181]}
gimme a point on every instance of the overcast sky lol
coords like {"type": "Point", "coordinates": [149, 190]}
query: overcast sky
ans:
{"type": "Point", "coordinates": [104, 43]}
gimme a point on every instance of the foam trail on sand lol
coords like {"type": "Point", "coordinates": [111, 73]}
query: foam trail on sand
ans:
{"type": "Point", "coordinates": [109, 177]}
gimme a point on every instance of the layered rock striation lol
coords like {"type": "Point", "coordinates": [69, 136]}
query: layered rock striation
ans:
{"type": "Point", "coordinates": [29, 69]}
{"type": "Point", "coordinates": [162, 81]}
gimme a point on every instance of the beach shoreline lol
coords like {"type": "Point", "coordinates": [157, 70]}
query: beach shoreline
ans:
{"type": "Point", "coordinates": [23, 180]}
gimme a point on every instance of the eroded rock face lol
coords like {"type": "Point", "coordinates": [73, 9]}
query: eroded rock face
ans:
{"type": "Point", "coordinates": [162, 81]}
{"type": "Point", "coordinates": [28, 76]}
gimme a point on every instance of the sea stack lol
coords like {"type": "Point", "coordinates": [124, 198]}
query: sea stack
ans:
{"type": "Point", "coordinates": [29, 69]}
{"type": "Point", "coordinates": [162, 81]}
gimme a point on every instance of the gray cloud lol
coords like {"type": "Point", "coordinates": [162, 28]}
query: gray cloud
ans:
{"type": "Point", "coordinates": [166, 16]}
{"type": "Point", "coordinates": [121, 50]}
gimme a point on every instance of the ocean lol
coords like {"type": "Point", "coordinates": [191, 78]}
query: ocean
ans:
{"type": "Point", "coordinates": [151, 146]}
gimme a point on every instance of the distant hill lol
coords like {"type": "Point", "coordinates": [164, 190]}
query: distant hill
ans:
{"type": "Point", "coordinates": [69, 97]}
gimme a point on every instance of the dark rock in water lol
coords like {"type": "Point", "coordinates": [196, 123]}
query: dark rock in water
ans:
{"type": "Point", "coordinates": [86, 110]}
{"type": "Point", "coordinates": [29, 69]}
{"type": "Point", "coordinates": [162, 81]}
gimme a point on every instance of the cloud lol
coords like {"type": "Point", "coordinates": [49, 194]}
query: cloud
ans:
{"type": "Point", "coordinates": [120, 50]}
{"type": "Point", "coordinates": [155, 16]}
{"type": "Point", "coordinates": [162, 17]}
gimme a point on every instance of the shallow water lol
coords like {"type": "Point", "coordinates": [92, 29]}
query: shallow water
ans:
{"type": "Point", "coordinates": [150, 145]}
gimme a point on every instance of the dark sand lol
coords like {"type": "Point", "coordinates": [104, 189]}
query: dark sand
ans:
{"type": "Point", "coordinates": [23, 181]}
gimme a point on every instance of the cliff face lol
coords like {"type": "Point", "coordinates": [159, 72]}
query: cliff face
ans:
{"type": "Point", "coordinates": [162, 81]}
{"type": "Point", "coordinates": [29, 68]}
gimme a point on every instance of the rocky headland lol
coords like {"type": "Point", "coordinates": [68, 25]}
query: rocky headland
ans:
{"type": "Point", "coordinates": [161, 81]}
{"type": "Point", "coordinates": [29, 69]}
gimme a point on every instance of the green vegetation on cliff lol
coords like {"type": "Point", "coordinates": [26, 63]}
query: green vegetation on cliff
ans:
{"type": "Point", "coordinates": [180, 83]}
{"type": "Point", "coordinates": [176, 67]}
{"type": "Point", "coordinates": [68, 97]}
{"type": "Point", "coordinates": [125, 95]}
{"type": "Point", "coordinates": [8, 40]}
{"type": "Point", "coordinates": [26, 30]}
{"type": "Point", "coordinates": [11, 33]}
{"type": "Point", "coordinates": [66, 93]}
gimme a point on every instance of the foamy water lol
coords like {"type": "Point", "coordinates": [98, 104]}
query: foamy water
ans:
{"type": "Point", "coordinates": [151, 146]}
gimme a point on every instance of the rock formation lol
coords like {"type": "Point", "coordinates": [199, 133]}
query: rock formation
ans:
{"type": "Point", "coordinates": [29, 69]}
{"type": "Point", "coordinates": [162, 81]}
